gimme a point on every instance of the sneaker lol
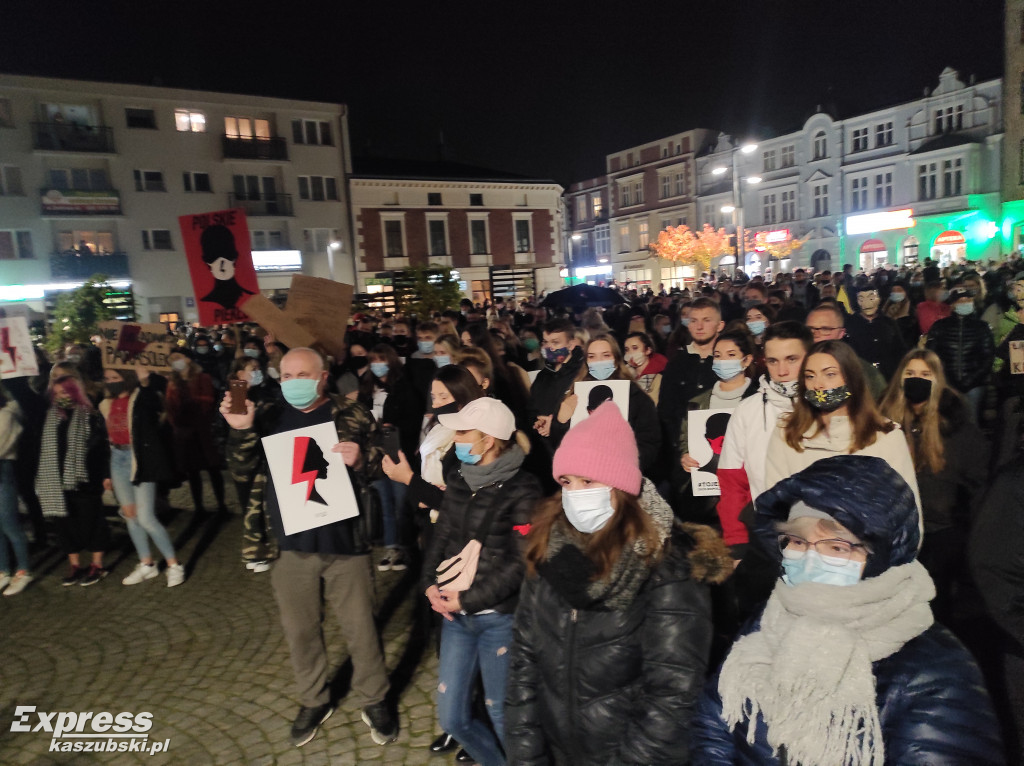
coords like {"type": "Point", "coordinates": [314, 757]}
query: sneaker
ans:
{"type": "Point", "coordinates": [308, 721]}
{"type": "Point", "coordinates": [94, 575]}
{"type": "Point", "coordinates": [258, 566]}
{"type": "Point", "coordinates": [5, 578]}
{"type": "Point", "coordinates": [385, 564]}
{"type": "Point", "coordinates": [74, 577]}
{"type": "Point", "coordinates": [383, 726]}
{"type": "Point", "coordinates": [140, 573]}
{"type": "Point", "coordinates": [399, 563]}
{"type": "Point", "coordinates": [175, 575]}
{"type": "Point", "coordinates": [18, 583]}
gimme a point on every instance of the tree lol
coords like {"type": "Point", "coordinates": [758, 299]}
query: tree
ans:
{"type": "Point", "coordinates": [77, 314]}
{"type": "Point", "coordinates": [692, 248]}
{"type": "Point", "coordinates": [777, 250]}
{"type": "Point", "coordinates": [424, 290]}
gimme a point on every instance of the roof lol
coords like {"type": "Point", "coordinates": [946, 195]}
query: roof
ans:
{"type": "Point", "coordinates": [421, 170]}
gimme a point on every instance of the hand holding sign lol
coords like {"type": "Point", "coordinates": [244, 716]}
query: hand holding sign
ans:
{"type": "Point", "coordinates": [17, 357]}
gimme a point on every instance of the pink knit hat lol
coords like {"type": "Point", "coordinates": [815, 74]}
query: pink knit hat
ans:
{"type": "Point", "coordinates": [601, 448]}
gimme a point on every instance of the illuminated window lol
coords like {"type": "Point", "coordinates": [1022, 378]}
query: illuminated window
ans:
{"type": "Point", "coordinates": [624, 246]}
{"type": "Point", "coordinates": [643, 236]}
{"type": "Point", "coordinates": [187, 121]}
{"type": "Point", "coordinates": [596, 204]}
{"type": "Point", "coordinates": [246, 127]}
{"type": "Point", "coordinates": [820, 145]}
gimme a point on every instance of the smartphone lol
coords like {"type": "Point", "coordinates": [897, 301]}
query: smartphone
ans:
{"type": "Point", "coordinates": [239, 393]}
{"type": "Point", "coordinates": [391, 443]}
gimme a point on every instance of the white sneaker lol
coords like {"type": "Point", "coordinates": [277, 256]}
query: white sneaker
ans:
{"type": "Point", "coordinates": [140, 573]}
{"type": "Point", "coordinates": [175, 575]}
{"type": "Point", "coordinates": [258, 566]}
{"type": "Point", "coordinates": [18, 583]}
{"type": "Point", "coordinates": [5, 578]}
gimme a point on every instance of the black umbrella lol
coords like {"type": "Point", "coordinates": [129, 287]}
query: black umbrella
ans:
{"type": "Point", "coordinates": [582, 295]}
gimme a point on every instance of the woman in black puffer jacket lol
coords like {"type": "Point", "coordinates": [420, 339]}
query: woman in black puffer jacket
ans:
{"type": "Point", "coordinates": [489, 498]}
{"type": "Point", "coordinates": [613, 628]}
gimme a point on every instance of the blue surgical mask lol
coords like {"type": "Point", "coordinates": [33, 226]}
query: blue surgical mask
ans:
{"type": "Point", "coordinates": [462, 452]}
{"type": "Point", "coordinates": [727, 369]}
{"type": "Point", "coordinates": [823, 570]}
{"type": "Point", "coordinates": [300, 392]}
{"type": "Point", "coordinates": [252, 353]}
{"type": "Point", "coordinates": [685, 321]}
{"type": "Point", "coordinates": [218, 347]}
{"type": "Point", "coordinates": [897, 297]}
{"type": "Point", "coordinates": [443, 360]}
{"type": "Point", "coordinates": [202, 350]}
{"type": "Point", "coordinates": [425, 346]}
{"type": "Point", "coordinates": [588, 509]}
{"type": "Point", "coordinates": [256, 378]}
{"type": "Point", "coordinates": [665, 329]}
{"type": "Point", "coordinates": [757, 326]}
{"type": "Point", "coordinates": [380, 369]}
{"type": "Point", "coordinates": [964, 309]}
{"type": "Point", "coordinates": [603, 369]}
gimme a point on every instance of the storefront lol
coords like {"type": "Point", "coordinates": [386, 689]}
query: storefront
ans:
{"type": "Point", "coordinates": [873, 254]}
{"type": "Point", "coordinates": [949, 247]}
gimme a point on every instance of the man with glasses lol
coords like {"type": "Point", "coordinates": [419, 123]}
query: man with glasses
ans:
{"type": "Point", "coordinates": [827, 322]}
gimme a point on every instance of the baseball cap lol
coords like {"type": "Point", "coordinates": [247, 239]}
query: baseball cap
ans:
{"type": "Point", "coordinates": [486, 415]}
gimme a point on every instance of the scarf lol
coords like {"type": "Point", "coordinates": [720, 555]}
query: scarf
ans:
{"type": "Point", "coordinates": [808, 671]}
{"type": "Point", "coordinates": [50, 483]}
{"type": "Point", "coordinates": [504, 468]}
{"type": "Point", "coordinates": [433, 448]}
{"type": "Point", "coordinates": [569, 571]}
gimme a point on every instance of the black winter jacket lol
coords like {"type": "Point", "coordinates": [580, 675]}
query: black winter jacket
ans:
{"type": "Point", "coordinates": [966, 348]}
{"type": "Point", "coordinates": [878, 340]}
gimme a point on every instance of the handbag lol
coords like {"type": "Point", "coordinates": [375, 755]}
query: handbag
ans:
{"type": "Point", "coordinates": [457, 573]}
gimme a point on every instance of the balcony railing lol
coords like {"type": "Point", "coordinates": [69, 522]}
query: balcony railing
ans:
{"type": "Point", "coordinates": [238, 148]}
{"type": "Point", "coordinates": [74, 202]}
{"type": "Point", "coordinates": [72, 137]}
{"type": "Point", "coordinates": [73, 266]}
{"type": "Point", "coordinates": [266, 204]}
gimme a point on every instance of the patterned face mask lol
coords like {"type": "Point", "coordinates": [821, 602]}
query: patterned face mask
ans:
{"type": "Point", "coordinates": [828, 399]}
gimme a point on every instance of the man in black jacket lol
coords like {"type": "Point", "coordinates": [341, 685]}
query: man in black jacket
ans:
{"type": "Point", "coordinates": [875, 337]}
{"type": "Point", "coordinates": [964, 344]}
{"type": "Point", "coordinates": [564, 357]}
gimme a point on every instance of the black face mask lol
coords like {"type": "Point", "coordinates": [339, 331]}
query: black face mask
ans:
{"type": "Point", "coordinates": [116, 389]}
{"type": "Point", "coordinates": [917, 390]}
{"type": "Point", "coordinates": [357, 362]}
{"type": "Point", "coordinates": [446, 409]}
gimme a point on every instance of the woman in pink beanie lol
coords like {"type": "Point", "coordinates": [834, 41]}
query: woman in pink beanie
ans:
{"type": "Point", "coordinates": [613, 628]}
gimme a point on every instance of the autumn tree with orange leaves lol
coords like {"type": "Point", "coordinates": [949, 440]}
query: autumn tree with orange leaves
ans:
{"type": "Point", "coordinates": [692, 248]}
{"type": "Point", "coordinates": [778, 250]}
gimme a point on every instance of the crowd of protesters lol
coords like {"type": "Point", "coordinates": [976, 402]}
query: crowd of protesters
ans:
{"type": "Point", "coordinates": [866, 438]}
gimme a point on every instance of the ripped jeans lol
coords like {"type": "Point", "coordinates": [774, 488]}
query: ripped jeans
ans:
{"type": "Point", "coordinates": [470, 643]}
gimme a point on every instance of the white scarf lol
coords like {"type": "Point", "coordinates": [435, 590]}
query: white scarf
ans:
{"type": "Point", "coordinates": [432, 451]}
{"type": "Point", "coordinates": [808, 671]}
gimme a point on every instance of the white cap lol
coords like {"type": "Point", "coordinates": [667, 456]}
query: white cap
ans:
{"type": "Point", "coordinates": [487, 415]}
{"type": "Point", "coordinates": [801, 510]}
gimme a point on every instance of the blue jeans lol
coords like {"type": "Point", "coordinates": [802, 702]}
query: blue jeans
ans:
{"type": "Point", "coordinates": [470, 643]}
{"type": "Point", "coordinates": [10, 527]}
{"type": "Point", "coordinates": [143, 497]}
{"type": "Point", "coordinates": [976, 397]}
{"type": "Point", "coordinates": [392, 509]}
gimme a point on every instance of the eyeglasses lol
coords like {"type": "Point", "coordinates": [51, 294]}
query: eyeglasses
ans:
{"type": "Point", "coordinates": [793, 547]}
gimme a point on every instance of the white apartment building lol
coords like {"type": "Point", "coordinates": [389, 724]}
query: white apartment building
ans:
{"type": "Point", "coordinates": [93, 177]}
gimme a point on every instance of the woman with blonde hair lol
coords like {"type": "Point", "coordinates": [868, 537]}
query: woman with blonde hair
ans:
{"type": "Point", "coordinates": [951, 462]}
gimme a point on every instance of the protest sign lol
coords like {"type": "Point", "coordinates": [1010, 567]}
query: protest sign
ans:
{"type": "Point", "coordinates": [705, 434]}
{"type": "Point", "coordinates": [130, 346]}
{"type": "Point", "coordinates": [1017, 357]}
{"type": "Point", "coordinates": [220, 263]}
{"type": "Point", "coordinates": [591, 394]}
{"type": "Point", "coordinates": [322, 307]}
{"type": "Point", "coordinates": [263, 311]}
{"type": "Point", "coordinates": [17, 358]}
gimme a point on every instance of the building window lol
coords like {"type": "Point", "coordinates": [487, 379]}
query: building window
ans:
{"type": "Point", "coordinates": [434, 198]}
{"type": "Point", "coordinates": [15, 245]}
{"type": "Point", "coordinates": [476, 200]}
{"type": "Point", "coordinates": [950, 119]}
{"type": "Point", "coordinates": [523, 239]}
{"type": "Point", "coordinates": [194, 181]}
{"type": "Point", "coordinates": [820, 200]}
{"type": "Point", "coordinates": [788, 205]}
{"type": "Point", "coordinates": [6, 114]}
{"type": "Point", "coordinates": [187, 121]}
{"type": "Point", "coordinates": [317, 240]}
{"type": "Point", "coordinates": [581, 209]}
{"type": "Point", "coordinates": [680, 182]}
{"type": "Point", "coordinates": [312, 132]}
{"type": "Point", "coordinates": [787, 157]}
{"type": "Point", "coordinates": [638, 192]}
{"type": "Point", "coordinates": [624, 246]}
{"type": "Point", "coordinates": [149, 181]}
{"type": "Point", "coordinates": [393, 244]}
{"type": "Point", "coordinates": [883, 189]}
{"type": "Point", "coordinates": [820, 145]}
{"type": "Point", "coordinates": [140, 118]}
{"type": "Point", "coordinates": [318, 188]}
{"type": "Point", "coordinates": [927, 180]}
{"type": "Point", "coordinates": [769, 160]}
{"type": "Point", "coordinates": [438, 237]}
{"type": "Point", "coordinates": [666, 186]}
{"type": "Point", "coordinates": [769, 212]}
{"type": "Point", "coordinates": [627, 195]}
{"type": "Point", "coordinates": [596, 205]}
{"type": "Point", "coordinates": [246, 127]}
{"type": "Point", "coordinates": [602, 241]}
{"type": "Point", "coordinates": [478, 236]}
{"type": "Point", "coordinates": [952, 178]}
{"type": "Point", "coordinates": [10, 181]}
{"type": "Point", "coordinates": [157, 239]}
{"type": "Point", "coordinates": [263, 239]}
{"type": "Point", "coordinates": [883, 134]}
{"type": "Point", "coordinates": [101, 242]}
{"type": "Point", "coordinates": [858, 194]}
{"type": "Point", "coordinates": [643, 236]}
{"type": "Point", "coordinates": [860, 139]}
{"type": "Point", "coordinates": [82, 179]}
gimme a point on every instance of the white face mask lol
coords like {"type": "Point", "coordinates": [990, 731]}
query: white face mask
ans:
{"type": "Point", "coordinates": [588, 509]}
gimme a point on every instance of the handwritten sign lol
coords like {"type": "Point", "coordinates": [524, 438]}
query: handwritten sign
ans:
{"type": "Point", "coordinates": [220, 263]}
{"type": "Point", "coordinates": [321, 306]}
{"type": "Point", "coordinates": [263, 311]}
{"type": "Point", "coordinates": [129, 346]}
{"type": "Point", "coordinates": [17, 357]}
{"type": "Point", "coordinates": [1017, 357]}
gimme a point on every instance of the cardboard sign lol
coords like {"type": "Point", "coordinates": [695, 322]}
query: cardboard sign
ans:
{"type": "Point", "coordinates": [312, 484]}
{"type": "Point", "coordinates": [263, 311]}
{"type": "Point", "coordinates": [1017, 357]}
{"type": "Point", "coordinates": [220, 262]}
{"type": "Point", "coordinates": [706, 434]}
{"type": "Point", "coordinates": [17, 358]}
{"type": "Point", "coordinates": [129, 346]}
{"type": "Point", "coordinates": [593, 393]}
{"type": "Point", "coordinates": [322, 307]}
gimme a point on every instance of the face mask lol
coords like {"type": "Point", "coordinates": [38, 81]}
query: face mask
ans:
{"type": "Point", "coordinates": [636, 359]}
{"type": "Point", "coordinates": [757, 326]}
{"type": "Point", "coordinates": [917, 390]}
{"type": "Point", "coordinates": [751, 302]}
{"type": "Point", "coordinates": [829, 399]}
{"type": "Point", "coordinates": [824, 570]}
{"type": "Point", "coordinates": [532, 344]}
{"type": "Point", "coordinates": [252, 353]}
{"type": "Point", "coordinates": [556, 356]}
{"type": "Point", "coordinates": [964, 309]}
{"type": "Point", "coordinates": [218, 347]}
{"type": "Point", "coordinates": [64, 401]}
{"type": "Point", "coordinates": [588, 509]}
{"type": "Point", "coordinates": [202, 350]}
{"type": "Point", "coordinates": [916, 283]}
{"type": "Point", "coordinates": [380, 369]}
{"type": "Point", "coordinates": [446, 409]}
{"type": "Point", "coordinates": [897, 297]}
{"type": "Point", "coordinates": [443, 360]}
{"type": "Point", "coordinates": [425, 346]}
{"type": "Point", "coordinates": [179, 365]}
{"type": "Point", "coordinates": [300, 392]}
{"type": "Point", "coordinates": [603, 369]}
{"type": "Point", "coordinates": [787, 389]}
{"type": "Point", "coordinates": [943, 296]}
{"type": "Point", "coordinates": [255, 378]}
{"type": "Point", "coordinates": [116, 389]}
{"type": "Point", "coordinates": [727, 369]}
{"type": "Point", "coordinates": [665, 329]}
{"type": "Point", "coordinates": [462, 452]}
{"type": "Point", "coordinates": [685, 321]}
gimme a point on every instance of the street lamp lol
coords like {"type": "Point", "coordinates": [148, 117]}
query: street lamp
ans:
{"type": "Point", "coordinates": [331, 247]}
{"type": "Point", "coordinates": [737, 200]}
{"type": "Point", "coordinates": [572, 267]}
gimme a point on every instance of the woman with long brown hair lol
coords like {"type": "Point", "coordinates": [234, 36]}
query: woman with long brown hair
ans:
{"type": "Point", "coordinates": [951, 461]}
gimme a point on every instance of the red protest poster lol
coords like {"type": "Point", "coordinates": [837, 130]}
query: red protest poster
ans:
{"type": "Point", "coordinates": [220, 262]}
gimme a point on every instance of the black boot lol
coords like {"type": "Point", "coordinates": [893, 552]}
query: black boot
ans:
{"type": "Point", "coordinates": [443, 744]}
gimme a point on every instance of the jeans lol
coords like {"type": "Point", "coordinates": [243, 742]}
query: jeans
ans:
{"type": "Point", "coordinates": [469, 643]}
{"type": "Point", "coordinates": [10, 527]}
{"type": "Point", "coordinates": [143, 497]}
{"type": "Point", "coordinates": [392, 509]}
{"type": "Point", "coordinates": [976, 397]}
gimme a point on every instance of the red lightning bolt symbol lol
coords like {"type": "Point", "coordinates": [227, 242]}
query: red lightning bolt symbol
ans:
{"type": "Point", "coordinates": [5, 344]}
{"type": "Point", "coordinates": [298, 460]}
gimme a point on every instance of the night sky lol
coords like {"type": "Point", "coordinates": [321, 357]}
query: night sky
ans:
{"type": "Point", "coordinates": [545, 89]}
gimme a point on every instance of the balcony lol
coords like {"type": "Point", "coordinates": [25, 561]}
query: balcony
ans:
{"type": "Point", "coordinates": [71, 203]}
{"type": "Point", "coordinates": [72, 137]}
{"type": "Point", "coordinates": [238, 148]}
{"type": "Point", "coordinates": [267, 204]}
{"type": "Point", "coordinates": [72, 267]}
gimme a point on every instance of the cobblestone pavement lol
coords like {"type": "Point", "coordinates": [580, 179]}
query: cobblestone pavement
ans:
{"type": "Point", "coordinates": [207, 659]}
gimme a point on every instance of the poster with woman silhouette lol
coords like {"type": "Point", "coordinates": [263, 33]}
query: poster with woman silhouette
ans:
{"type": "Point", "coordinates": [220, 263]}
{"type": "Point", "coordinates": [311, 482]}
{"type": "Point", "coordinates": [705, 436]}
{"type": "Point", "coordinates": [592, 394]}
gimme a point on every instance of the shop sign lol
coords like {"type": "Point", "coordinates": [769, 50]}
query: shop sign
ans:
{"type": "Point", "coordinates": [872, 222]}
{"type": "Point", "coordinates": [873, 246]}
{"type": "Point", "coordinates": [950, 238]}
